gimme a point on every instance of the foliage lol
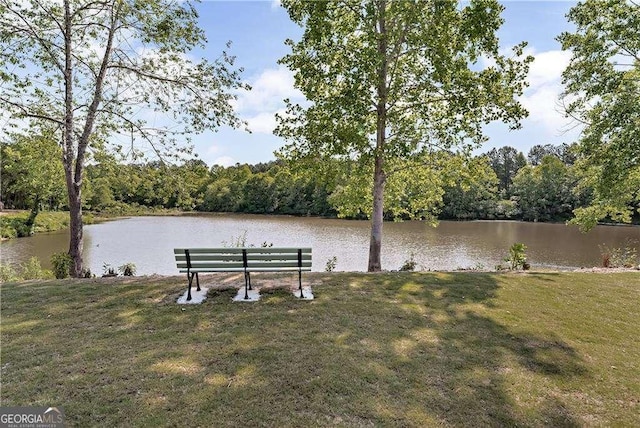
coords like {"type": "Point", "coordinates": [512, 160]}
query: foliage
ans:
{"type": "Point", "coordinates": [474, 194]}
{"type": "Point", "coordinates": [517, 258]}
{"type": "Point", "coordinates": [61, 263]}
{"type": "Point", "coordinates": [108, 270]}
{"type": "Point", "coordinates": [443, 185]}
{"type": "Point", "coordinates": [8, 273]}
{"type": "Point", "coordinates": [31, 269]}
{"type": "Point", "coordinates": [409, 265]}
{"type": "Point", "coordinates": [613, 257]}
{"type": "Point", "coordinates": [331, 264]}
{"type": "Point", "coordinates": [90, 70]}
{"type": "Point", "coordinates": [603, 94]}
{"type": "Point", "coordinates": [127, 269]}
{"type": "Point", "coordinates": [548, 191]}
{"type": "Point", "coordinates": [391, 83]}
{"type": "Point", "coordinates": [31, 176]}
{"type": "Point", "coordinates": [506, 162]}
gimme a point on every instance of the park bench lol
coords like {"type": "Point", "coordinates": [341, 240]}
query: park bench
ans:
{"type": "Point", "coordinates": [193, 261]}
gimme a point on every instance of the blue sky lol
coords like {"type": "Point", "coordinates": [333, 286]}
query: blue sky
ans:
{"type": "Point", "coordinates": [258, 30]}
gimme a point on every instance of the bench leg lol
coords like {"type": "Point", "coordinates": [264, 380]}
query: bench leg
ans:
{"type": "Point", "coordinates": [247, 281]}
{"type": "Point", "coordinates": [300, 284]}
{"type": "Point", "coordinates": [190, 279]}
{"type": "Point", "coordinates": [197, 281]}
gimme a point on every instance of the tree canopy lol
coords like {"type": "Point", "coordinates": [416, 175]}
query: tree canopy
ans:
{"type": "Point", "coordinates": [603, 94]}
{"type": "Point", "coordinates": [92, 70]}
{"type": "Point", "coordinates": [389, 83]}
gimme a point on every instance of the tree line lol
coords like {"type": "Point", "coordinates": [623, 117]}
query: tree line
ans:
{"type": "Point", "coordinates": [501, 184]}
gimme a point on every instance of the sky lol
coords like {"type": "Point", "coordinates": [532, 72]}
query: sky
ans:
{"type": "Point", "coordinates": [258, 29]}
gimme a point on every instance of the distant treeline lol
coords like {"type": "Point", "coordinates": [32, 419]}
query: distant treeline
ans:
{"type": "Point", "coordinates": [543, 186]}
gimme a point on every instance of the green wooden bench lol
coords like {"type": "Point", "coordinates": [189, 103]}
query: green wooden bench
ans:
{"type": "Point", "coordinates": [193, 261]}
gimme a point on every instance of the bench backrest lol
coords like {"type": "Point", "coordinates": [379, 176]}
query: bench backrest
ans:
{"type": "Point", "coordinates": [236, 259]}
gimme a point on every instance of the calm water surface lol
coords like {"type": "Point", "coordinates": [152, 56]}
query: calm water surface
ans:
{"type": "Point", "coordinates": [149, 241]}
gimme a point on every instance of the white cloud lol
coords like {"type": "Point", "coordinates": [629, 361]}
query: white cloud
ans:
{"type": "Point", "coordinates": [547, 67]}
{"type": "Point", "coordinates": [276, 4]}
{"type": "Point", "coordinates": [265, 122]}
{"type": "Point", "coordinates": [224, 161]}
{"type": "Point", "coordinates": [269, 89]}
{"type": "Point", "coordinates": [541, 98]}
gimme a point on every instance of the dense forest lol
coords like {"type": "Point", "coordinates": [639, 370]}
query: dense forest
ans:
{"type": "Point", "coordinates": [501, 184]}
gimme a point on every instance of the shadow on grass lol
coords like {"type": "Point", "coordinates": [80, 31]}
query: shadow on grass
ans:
{"type": "Point", "coordinates": [388, 349]}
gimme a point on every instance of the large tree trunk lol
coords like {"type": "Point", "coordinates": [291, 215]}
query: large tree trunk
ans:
{"type": "Point", "coordinates": [375, 245]}
{"type": "Point", "coordinates": [379, 178]}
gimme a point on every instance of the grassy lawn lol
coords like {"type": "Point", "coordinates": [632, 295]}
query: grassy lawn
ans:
{"type": "Point", "coordinates": [396, 349]}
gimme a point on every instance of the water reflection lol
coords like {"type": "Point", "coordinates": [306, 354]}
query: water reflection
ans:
{"type": "Point", "coordinates": [149, 241]}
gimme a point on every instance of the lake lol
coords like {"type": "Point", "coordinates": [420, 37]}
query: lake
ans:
{"type": "Point", "coordinates": [149, 241]}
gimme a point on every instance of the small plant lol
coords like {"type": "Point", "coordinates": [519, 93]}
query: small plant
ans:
{"type": "Point", "coordinates": [236, 241]}
{"type": "Point", "coordinates": [8, 273]}
{"type": "Point", "coordinates": [108, 270]}
{"type": "Point", "coordinates": [331, 264]}
{"type": "Point", "coordinates": [613, 257]}
{"type": "Point", "coordinates": [31, 269]}
{"type": "Point", "coordinates": [517, 258]}
{"type": "Point", "coordinates": [127, 269]}
{"type": "Point", "coordinates": [409, 265]}
{"type": "Point", "coordinates": [240, 241]}
{"type": "Point", "coordinates": [86, 273]}
{"type": "Point", "coordinates": [61, 265]}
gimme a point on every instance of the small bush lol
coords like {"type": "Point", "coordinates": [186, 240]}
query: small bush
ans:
{"type": "Point", "coordinates": [127, 269]}
{"type": "Point", "coordinates": [409, 265]}
{"type": "Point", "coordinates": [8, 273]}
{"type": "Point", "coordinates": [108, 270]}
{"type": "Point", "coordinates": [331, 264]}
{"type": "Point", "coordinates": [31, 269]}
{"type": "Point", "coordinates": [613, 257]}
{"type": "Point", "coordinates": [517, 258]}
{"type": "Point", "coordinates": [62, 263]}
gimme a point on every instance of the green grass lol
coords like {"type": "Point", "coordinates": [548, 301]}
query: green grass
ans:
{"type": "Point", "coordinates": [396, 349]}
{"type": "Point", "coordinates": [12, 225]}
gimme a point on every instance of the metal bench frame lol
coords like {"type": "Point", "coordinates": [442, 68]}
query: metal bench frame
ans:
{"type": "Point", "coordinates": [207, 260]}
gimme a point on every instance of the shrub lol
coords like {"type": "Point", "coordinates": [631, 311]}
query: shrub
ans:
{"type": "Point", "coordinates": [108, 270]}
{"type": "Point", "coordinates": [331, 264]}
{"type": "Point", "coordinates": [517, 258]}
{"type": "Point", "coordinates": [409, 264]}
{"type": "Point", "coordinates": [613, 257]}
{"type": "Point", "coordinates": [127, 269]}
{"type": "Point", "coordinates": [62, 263]}
{"type": "Point", "coordinates": [8, 273]}
{"type": "Point", "coordinates": [31, 269]}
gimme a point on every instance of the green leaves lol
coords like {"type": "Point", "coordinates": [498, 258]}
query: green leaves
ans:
{"type": "Point", "coordinates": [603, 93]}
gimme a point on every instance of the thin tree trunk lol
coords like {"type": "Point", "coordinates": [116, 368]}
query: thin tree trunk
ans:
{"type": "Point", "coordinates": [73, 181]}
{"type": "Point", "coordinates": [31, 220]}
{"type": "Point", "coordinates": [379, 177]}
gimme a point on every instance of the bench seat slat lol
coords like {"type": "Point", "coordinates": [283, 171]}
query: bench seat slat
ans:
{"type": "Point", "coordinates": [236, 250]}
{"type": "Point", "coordinates": [265, 269]}
{"type": "Point", "coordinates": [238, 257]}
{"type": "Point", "coordinates": [212, 265]}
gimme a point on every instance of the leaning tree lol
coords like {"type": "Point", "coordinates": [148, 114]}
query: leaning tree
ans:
{"type": "Point", "coordinates": [98, 68]}
{"type": "Point", "coordinates": [390, 83]}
